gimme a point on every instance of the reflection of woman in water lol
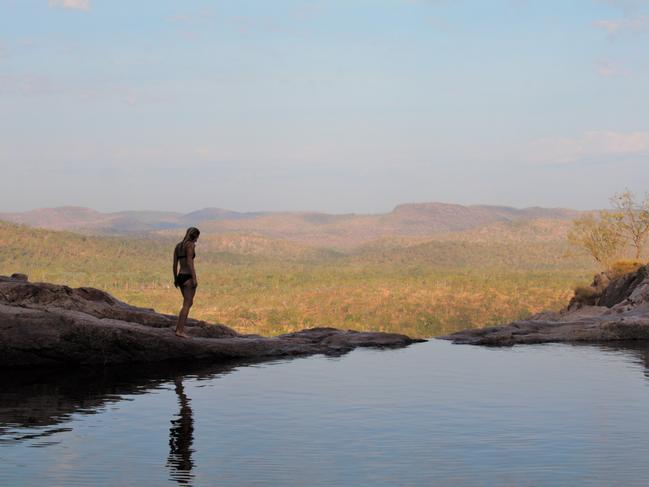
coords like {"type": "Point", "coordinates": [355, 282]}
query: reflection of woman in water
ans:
{"type": "Point", "coordinates": [181, 437]}
{"type": "Point", "coordinates": [185, 279]}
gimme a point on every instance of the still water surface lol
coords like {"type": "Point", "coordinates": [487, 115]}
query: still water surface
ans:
{"type": "Point", "coordinates": [433, 414]}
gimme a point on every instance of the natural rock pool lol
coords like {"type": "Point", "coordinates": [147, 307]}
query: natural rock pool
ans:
{"type": "Point", "coordinates": [429, 414]}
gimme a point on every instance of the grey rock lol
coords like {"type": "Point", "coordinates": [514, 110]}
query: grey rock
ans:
{"type": "Point", "coordinates": [621, 314]}
{"type": "Point", "coordinates": [49, 324]}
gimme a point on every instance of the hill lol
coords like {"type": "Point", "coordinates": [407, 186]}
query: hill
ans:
{"type": "Point", "coordinates": [536, 230]}
{"type": "Point", "coordinates": [256, 284]}
{"type": "Point", "coordinates": [413, 221]}
{"type": "Point", "coordinates": [90, 221]}
{"type": "Point", "coordinates": [342, 231]}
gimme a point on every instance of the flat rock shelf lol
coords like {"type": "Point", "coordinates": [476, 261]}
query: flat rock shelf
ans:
{"type": "Point", "coordinates": [615, 309]}
{"type": "Point", "coordinates": [43, 324]}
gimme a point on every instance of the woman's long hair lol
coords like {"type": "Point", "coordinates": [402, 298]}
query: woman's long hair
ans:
{"type": "Point", "coordinates": [190, 236]}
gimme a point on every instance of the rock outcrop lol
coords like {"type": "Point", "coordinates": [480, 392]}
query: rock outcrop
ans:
{"type": "Point", "coordinates": [49, 324]}
{"type": "Point", "coordinates": [614, 309]}
{"type": "Point", "coordinates": [609, 288]}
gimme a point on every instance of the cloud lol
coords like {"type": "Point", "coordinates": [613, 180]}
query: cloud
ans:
{"type": "Point", "coordinates": [425, 2]}
{"type": "Point", "coordinates": [624, 5]}
{"type": "Point", "coordinates": [36, 85]}
{"type": "Point", "coordinates": [611, 69]}
{"type": "Point", "coordinates": [70, 4]}
{"type": "Point", "coordinates": [192, 17]}
{"type": "Point", "coordinates": [438, 23]}
{"type": "Point", "coordinates": [593, 146]}
{"type": "Point", "coordinates": [631, 24]}
{"type": "Point", "coordinates": [247, 25]}
{"type": "Point", "coordinates": [123, 94]}
{"type": "Point", "coordinates": [190, 25]}
{"type": "Point", "coordinates": [307, 11]}
{"type": "Point", "coordinates": [26, 85]}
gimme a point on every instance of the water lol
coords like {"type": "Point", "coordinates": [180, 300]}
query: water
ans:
{"type": "Point", "coordinates": [433, 414]}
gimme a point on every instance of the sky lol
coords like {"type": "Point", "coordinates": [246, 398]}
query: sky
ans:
{"type": "Point", "coordinates": [322, 105]}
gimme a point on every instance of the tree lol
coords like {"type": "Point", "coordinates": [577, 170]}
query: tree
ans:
{"type": "Point", "coordinates": [631, 219]}
{"type": "Point", "coordinates": [598, 235]}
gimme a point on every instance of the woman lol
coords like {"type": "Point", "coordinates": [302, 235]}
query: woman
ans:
{"type": "Point", "coordinates": [185, 279]}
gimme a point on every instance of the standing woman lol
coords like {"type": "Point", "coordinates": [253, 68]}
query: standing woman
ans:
{"type": "Point", "coordinates": [185, 279]}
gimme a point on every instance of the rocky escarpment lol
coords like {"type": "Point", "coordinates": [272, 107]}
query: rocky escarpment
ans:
{"type": "Point", "coordinates": [49, 324]}
{"type": "Point", "coordinates": [611, 309]}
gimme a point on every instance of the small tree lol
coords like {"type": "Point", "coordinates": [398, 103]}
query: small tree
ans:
{"type": "Point", "coordinates": [599, 236]}
{"type": "Point", "coordinates": [631, 219]}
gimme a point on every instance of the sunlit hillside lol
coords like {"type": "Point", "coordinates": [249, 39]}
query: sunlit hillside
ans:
{"type": "Point", "coordinates": [262, 285]}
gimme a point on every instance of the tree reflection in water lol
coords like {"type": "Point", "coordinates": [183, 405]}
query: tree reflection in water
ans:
{"type": "Point", "coordinates": [181, 437]}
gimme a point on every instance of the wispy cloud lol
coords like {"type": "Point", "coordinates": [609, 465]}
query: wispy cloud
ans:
{"type": "Point", "coordinates": [425, 2]}
{"type": "Point", "coordinates": [26, 85]}
{"type": "Point", "coordinates": [629, 24]}
{"type": "Point", "coordinates": [35, 85]}
{"type": "Point", "coordinates": [307, 11]}
{"type": "Point", "coordinates": [247, 25]}
{"type": "Point", "coordinates": [70, 4]}
{"type": "Point", "coordinates": [438, 23]}
{"type": "Point", "coordinates": [191, 25]}
{"type": "Point", "coordinates": [611, 69]}
{"type": "Point", "coordinates": [624, 5]}
{"type": "Point", "coordinates": [192, 17]}
{"type": "Point", "coordinates": [120, 93]}
{"type": "Point", "coordinates": [590, 146]}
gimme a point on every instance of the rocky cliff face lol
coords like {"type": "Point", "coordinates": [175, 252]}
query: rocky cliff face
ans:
{"type": "Point", "coordinates": [609, 289]}
{"type": "Point", "coordinates": [49, 324]}
{"type": "Point", "coordinates": [611, 309]}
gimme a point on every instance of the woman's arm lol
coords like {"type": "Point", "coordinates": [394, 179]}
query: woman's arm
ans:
{"type": "Point", "coordinates": [175, 267]}
{"type": "Point", "coordinates": [190, 261]}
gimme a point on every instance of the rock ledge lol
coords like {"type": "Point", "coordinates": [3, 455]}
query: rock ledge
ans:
{"type": "Point", "coordinates": [49, 324]}
{"type": "Point", "coordinates": [617, 310]}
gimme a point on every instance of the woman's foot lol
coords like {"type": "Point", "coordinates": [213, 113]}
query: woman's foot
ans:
{"type": "Point", "coordinates": [182, 334]}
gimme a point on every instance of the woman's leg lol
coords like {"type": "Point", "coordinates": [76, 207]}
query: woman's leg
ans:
{"type": "Point", "coordinates": [188, 291]}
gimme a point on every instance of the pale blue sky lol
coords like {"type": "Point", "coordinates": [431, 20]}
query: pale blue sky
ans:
{"type": "Point", "coordinates": [332, 105]}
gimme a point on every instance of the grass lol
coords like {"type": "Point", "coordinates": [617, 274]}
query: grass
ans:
{"type": "Point", "coordinates": [423, 290]}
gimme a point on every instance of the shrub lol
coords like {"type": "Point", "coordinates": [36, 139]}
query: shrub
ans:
{"type": "Point", "coordinates": [585, 293]}
{"type": "Point", "coordinates": [621, 267]}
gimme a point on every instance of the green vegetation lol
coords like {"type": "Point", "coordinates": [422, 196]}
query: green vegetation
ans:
{"type": "Point", "coordinates": [598, 236]}
{"type": "Point", "coordinates": [614, 234]}
{"type": "Point", "coordinates": [631, 220]}
{"type": "Point", "coordinates": [270, 287]}
{"type": "Point", "coordinates": [621, 267]}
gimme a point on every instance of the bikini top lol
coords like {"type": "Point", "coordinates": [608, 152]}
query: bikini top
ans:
{"type": "Point", "coordinates": [184, 256]}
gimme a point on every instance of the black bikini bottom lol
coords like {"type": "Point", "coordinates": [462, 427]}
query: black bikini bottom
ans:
{"type": "Point", "coordinates": [181, 279]}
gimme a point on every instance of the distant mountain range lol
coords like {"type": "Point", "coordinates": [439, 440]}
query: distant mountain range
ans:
{"type": "Point", "coordinates": [312, 228]}
{"type": "Point", "coordinates": [87, 220]}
